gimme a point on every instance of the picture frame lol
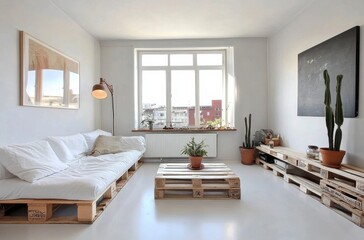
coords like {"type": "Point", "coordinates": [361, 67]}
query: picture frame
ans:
{"type": "Point", "coordinates": [48, 78]}
{"type": "Point", "coordinates": [339, 55]}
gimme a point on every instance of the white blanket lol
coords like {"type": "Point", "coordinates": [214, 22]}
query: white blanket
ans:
{"type": "Point", "coordinates": [85, 179]}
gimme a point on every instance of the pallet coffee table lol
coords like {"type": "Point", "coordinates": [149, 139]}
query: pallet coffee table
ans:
{"type": "Point", "coordinates": [215, 180]}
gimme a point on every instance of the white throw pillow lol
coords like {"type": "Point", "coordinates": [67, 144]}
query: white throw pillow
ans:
{"type": "Point", "coordinates": [4, 173]}
{"type": "Point", "coordinates": [69, 147]}
{"type": "Point", "coordinates": [91, 137]}
{"type": "Point", "coordinates": [31, 161]}
{"type": "Point", "coordinates": [59, 147]}
{"type": "Point", "coordinates": [133, 143]}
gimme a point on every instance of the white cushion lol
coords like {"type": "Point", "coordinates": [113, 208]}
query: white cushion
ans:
{"type": "Point", "coordinates": [133, 143]}
{"type": "Point", "coordinates": [91, 137]}
{"type": "Point", "coordinates": [4, 173]}
{"type": "Point", "coordinates": [59, 147]}
{"type": "Point", "coordinates": [31, 161]}
{"type": "Point", "coordinates": [69, 147]}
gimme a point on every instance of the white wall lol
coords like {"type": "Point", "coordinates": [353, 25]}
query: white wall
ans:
{"type": "Point", "coordinates": [321, 21]}
{"type": "Point", "coordinates": [117, 66]}
{"type": "Point", "coordinates": [43, 20]}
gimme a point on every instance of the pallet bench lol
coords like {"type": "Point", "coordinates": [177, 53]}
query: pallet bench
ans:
{"type": "Point", "coordinates": [342, 189]}
{"type": "Point", "coordinates": [215, 180]}
{"type": "Point", "coordinates": [45, 210]}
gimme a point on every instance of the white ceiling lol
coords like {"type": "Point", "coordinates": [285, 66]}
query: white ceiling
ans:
{"type": "Point", "coordinates": [181, 19]}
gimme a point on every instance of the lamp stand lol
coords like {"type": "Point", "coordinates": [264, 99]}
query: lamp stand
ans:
{"type": "Point", "coordinates": [111, 89]}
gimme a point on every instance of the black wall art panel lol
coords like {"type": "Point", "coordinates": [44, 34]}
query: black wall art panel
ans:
{"type": "Point", "coordinates": [339, 55]}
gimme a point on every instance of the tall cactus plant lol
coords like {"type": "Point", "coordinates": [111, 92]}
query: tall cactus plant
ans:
{"type": "Point", "coordinates": [331, 118]}
{"type": "Point", "coordinates": [247, 143]}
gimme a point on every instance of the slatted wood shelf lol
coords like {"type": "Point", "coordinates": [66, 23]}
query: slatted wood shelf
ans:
{"type": "Point", "coordinates": [341, 189]}
{"type": "Point", "coordinates": [349, 176]}
{"type": "Point", "coordinates": [215, 180]}
{"type": "Point", "coordinates": [45, 210]}
{"type": "Point", "coordinates": [304, 185]}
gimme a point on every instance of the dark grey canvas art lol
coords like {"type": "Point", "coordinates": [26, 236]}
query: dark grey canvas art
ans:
{"type": "Point", "coordinates": [339, 55]}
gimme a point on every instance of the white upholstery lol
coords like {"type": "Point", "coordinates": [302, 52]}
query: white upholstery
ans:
{"type": "Point", "coordinates": [69, 147]}
{"type": "Point", "coordinates": [76, 177]}
{"type": "Point", "coordinates": [31, 161]}
{"type": "Point", "coordinates": [85, 179]}
{"type": "Point", "coordinates": [4, 173]}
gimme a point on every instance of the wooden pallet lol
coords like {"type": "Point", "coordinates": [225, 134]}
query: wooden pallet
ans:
{"type": "Point", "coordinates": [347, 177]}
{"type": "Point", "coordinates": [306, 186]}
{"type": "Point", "coordinates": [352, 198]}
{"type": "Point", "coordinates": [215, 180]}
{"type": "Point", "coordinates": [282, 153]}
{"type": "Point", "coordinates": [45, 210]}
{"type": "Point", "coordinates": [344, 209]}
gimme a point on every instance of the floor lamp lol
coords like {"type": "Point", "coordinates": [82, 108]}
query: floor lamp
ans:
{"type": "Point", "coordinates": [99, 92]}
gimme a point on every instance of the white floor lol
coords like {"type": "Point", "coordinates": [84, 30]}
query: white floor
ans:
{"type": "Point", "coordinates": [269, 209]}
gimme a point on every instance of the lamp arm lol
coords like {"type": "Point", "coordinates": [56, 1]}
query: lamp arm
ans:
{"type": "Point", "coordinates": [109, 86]}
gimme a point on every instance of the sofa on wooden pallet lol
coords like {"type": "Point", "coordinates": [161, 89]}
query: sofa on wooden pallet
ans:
{"type": "Point", "coordinates": [82, 172]}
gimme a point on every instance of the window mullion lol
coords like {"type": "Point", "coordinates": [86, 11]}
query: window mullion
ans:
{"type": "Point", "coordinates": [168, 98]}
{"type": "Point", "coordinates": [140, 96]}
{"type": "Point", "coordinates": [168, 94]}
{"type": "Point", "coordinates": [224, 116]}
{"type": "Point", "coordinates": [197, 91]}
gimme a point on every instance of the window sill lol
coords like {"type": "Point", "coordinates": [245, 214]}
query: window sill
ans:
{"type": "Point", "coordinates": [178, 130]}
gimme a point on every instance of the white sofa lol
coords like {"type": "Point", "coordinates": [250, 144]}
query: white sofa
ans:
{"type": "Point", "coordinates": [60, 167]}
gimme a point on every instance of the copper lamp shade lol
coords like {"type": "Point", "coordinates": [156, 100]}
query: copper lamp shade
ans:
{"type": "Point", "coordinates": [99, 91]}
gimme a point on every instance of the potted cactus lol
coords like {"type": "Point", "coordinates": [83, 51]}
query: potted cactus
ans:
{"type": "Point", "coordinates": [333, 156]}
{"type": "Point", "coordinates": [247, 151]}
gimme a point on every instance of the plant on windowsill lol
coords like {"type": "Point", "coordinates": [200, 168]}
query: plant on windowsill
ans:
{"type": "Point", "coordinates": [196, 152]}
{"type": "Point", "coordinates": [148, 122]}
{"type": "Point", "coordinates": [333, 156]}
{"type": "Point", "coordinates": [247, 151]}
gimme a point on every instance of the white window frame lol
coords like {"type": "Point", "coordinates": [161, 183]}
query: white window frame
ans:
{"type": "Point", "coordinates": [139, 68]}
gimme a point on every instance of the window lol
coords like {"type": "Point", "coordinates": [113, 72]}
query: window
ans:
{"type": "Point", "coordinates": [173, 84]}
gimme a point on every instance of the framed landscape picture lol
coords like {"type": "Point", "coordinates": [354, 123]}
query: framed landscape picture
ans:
{"type": "Point", "coordinates": [48, 77]}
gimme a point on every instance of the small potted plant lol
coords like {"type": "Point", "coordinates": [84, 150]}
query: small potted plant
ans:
{"type": "Point", "coordinates": [247, 151]}
{"type": "Point", "coordinates": [333, 156]}
{"type": "Point", "coordinates": [196, 152]}
{"type": "Point", "coordinates": [148, 122]}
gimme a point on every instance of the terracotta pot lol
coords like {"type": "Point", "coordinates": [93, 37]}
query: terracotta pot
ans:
{"type": "Point", "coordinates": [332, 158]}
{"type": "Point", "coordinates": [195, 161]}
{"type": "Point", "coordinates": [247, 155]}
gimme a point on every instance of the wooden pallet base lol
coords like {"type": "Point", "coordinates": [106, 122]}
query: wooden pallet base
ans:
{"type": "Point", "coordinates": [303, 184]}
{"type": "Point", "coordinates": [344, 209]}
{"type": "Point", "coordinates": [46, 210]}
{"type": "Point", "coordinates": [340, 189]}
{"type": "Point", "coordinates": [215, 181]}
{"type": "Point", "coordinates": [352, 198]}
